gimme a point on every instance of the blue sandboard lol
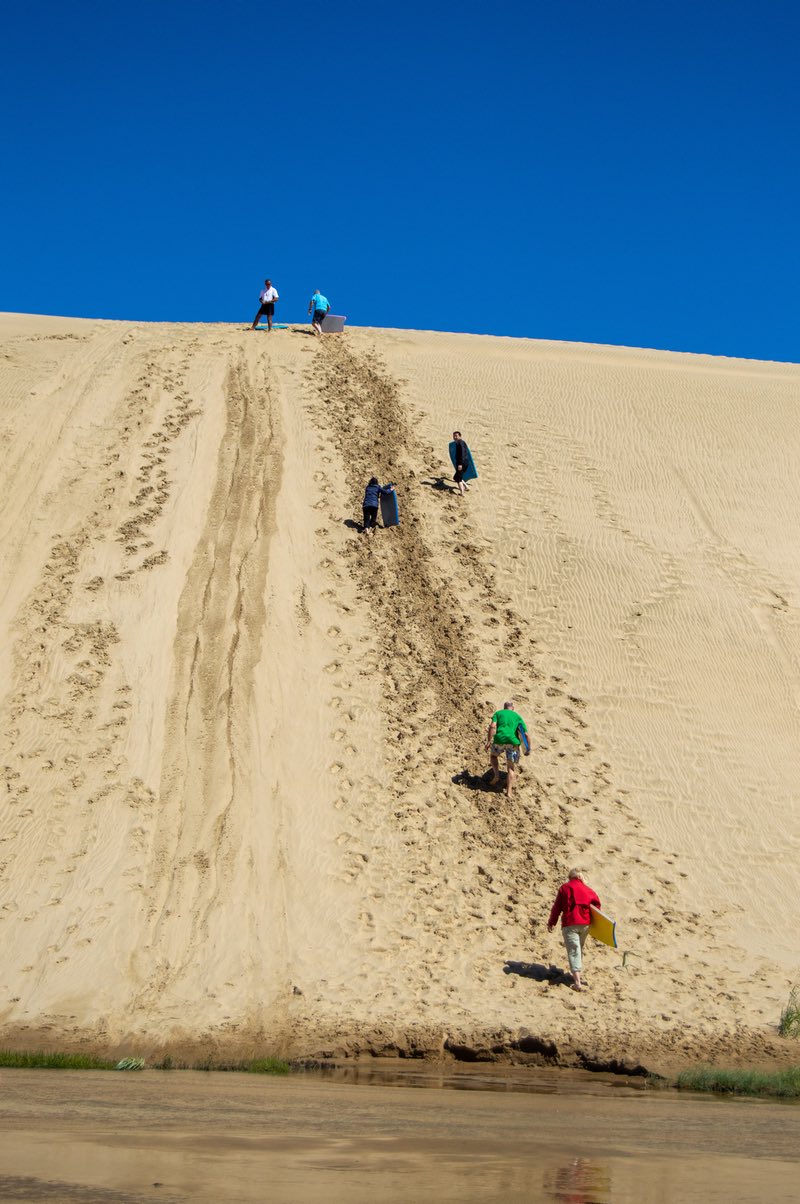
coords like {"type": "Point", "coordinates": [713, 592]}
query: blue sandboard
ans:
{"type": "Point", "coordinates": [275, 326]}
{"type": "Point", "coordinates": [523, 739]}
{"type": "Point", "coordinates": [390, 511]}
{"type": "Point", "coordinates": [470, 472]}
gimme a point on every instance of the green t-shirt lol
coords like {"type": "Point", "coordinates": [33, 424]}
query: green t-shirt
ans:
{"type": "Point", "coordinates": [507, 724]}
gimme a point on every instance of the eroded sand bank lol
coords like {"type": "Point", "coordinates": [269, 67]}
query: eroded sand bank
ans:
{"type": "Point", "coordinates": [242, 805]}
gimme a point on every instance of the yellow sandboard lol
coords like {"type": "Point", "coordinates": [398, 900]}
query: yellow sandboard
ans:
{"type": "Point", "coordinates": [602, 929]}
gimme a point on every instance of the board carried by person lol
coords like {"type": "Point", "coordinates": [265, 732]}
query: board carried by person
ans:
{"type": "Point", "coordinates": [602, 927]}
{"type": "Point", "coordinates": [390, 507]}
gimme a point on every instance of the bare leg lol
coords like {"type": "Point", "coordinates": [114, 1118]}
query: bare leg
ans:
{"type": "Point", "coordinates": [576, 980]}
{"type": "Point", "coordinates": [510, 779]}
{"type": "Point", "coordinates": [269, 321]}
{"type": "Point", "coordinates": [255, 320]}
{"type": "Point", "coordinates": [495, 770]}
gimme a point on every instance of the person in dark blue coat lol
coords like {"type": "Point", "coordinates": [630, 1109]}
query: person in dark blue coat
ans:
{"type": "Point", "coordinates": [372, 499]}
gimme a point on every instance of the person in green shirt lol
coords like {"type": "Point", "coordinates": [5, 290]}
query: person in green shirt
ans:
{"type": "Point", "coordinates": [502, 740]}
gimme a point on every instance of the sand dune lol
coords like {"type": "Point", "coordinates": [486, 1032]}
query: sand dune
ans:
{"type": "Point", "coordinates": [242, 802]}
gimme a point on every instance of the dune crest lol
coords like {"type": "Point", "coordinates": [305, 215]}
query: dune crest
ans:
{"type": "Point", "coordinates": [243, 801]}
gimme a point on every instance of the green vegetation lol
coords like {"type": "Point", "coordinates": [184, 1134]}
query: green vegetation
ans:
{"type": "Point", "coordinates": [248, 1066]}
{"type": "Point", "coordinates": [268, 1066]}
{"type": "Point", "coordinates": [789, 1025]}
{"type": "Point", "coordinates": [36, 1060]}
{"type": "Point", "coordinates": [780, 1084]}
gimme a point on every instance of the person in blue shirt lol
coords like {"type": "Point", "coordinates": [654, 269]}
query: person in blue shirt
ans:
{"type": "Point", "coordinates": [318, 306]}
{"type": "Point", "coordinates": [372, 497]}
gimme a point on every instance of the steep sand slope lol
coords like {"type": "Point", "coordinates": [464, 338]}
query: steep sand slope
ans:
{"type": "Point", "coordinates": [243, 803]}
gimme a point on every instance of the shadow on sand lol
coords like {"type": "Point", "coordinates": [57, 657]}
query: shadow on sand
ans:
{"type": "Point", "coordinates": [440, 485]}
{"type": "Point", "coordinates": [538, 972]}
{"type": "Point", "coordinates": [482, 781]}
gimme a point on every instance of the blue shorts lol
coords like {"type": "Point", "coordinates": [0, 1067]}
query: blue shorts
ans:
{"type": "Point", "coordinates": [319, 315]}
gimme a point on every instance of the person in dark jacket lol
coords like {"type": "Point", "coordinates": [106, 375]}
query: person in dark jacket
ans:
{"type": "Point", "coordinates": [372, 497]}
{"type": "Point", "coordinates": [572, 903]}
{"type": "Point", "coordinates": [461, 458]}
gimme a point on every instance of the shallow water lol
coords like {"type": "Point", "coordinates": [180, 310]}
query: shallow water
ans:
{"type": "Point", "coordinates": [90, 1137]}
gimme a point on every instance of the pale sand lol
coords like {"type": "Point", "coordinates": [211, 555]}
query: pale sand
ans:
{"type": "Point", "coordinates": [228, 818]}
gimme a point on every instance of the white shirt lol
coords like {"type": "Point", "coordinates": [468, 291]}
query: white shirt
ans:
{"type": "Point", "coordinates": [269, 294]}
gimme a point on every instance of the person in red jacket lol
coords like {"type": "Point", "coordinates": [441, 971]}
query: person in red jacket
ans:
{"type": "Point", "coordinates": [572, 903]}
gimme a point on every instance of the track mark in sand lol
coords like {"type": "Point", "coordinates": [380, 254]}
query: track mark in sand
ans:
{"type": "Point", "coordinates": [161, 378]}
{"type": "Point", "coordinates": [426, 652]}
{"type": "Point", "coordinates": [221, 619]}
{"type": "Point", "coordinates": [434, 605]}
{"type": "Point", "coordinates": [65, 720]}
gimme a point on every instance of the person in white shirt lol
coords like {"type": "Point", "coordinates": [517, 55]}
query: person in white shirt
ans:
{"type": "Point", "coordinates": [268, 297]}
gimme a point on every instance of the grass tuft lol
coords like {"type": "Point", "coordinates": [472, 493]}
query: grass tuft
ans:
{"type": "Point", "coordinates": [23, 1059]}
{"type": "Point", "coordinates": [268, 1066]}
{"type": "Point", "coordinates": [248, 1066]}
{"type": "Point", "coordinates": [789, 1024]}
{"type": "Point", "coordinates": [780, 1084]}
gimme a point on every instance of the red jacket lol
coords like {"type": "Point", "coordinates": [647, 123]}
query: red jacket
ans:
{"type": "Point", "coordinates": [572, 903]}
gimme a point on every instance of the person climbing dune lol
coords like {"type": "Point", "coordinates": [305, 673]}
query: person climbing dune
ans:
{"type": "Point", "coordinates": [318, 307]}
{"type": "Point", "coordinates": [572, 903]}
{"type": "Point", "coordinates": [461, 458]}
{"type": "Point", "coordinates": [372, 498]}
{"type": "Point", "coordinates": [503, 740]}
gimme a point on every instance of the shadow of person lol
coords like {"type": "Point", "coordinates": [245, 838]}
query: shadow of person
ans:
{"type": "Point", "coordinates": [440, 484]}
{"type": "Point", "coordinates": [538, 972]}
{"type": "Point", "coordinates": [352, 524]}
{"type": "Point", "coordinates": [475, 781]}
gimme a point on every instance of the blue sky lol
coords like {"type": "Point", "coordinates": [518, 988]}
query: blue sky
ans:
{"type": "Point", "coordinates": [610, 172]}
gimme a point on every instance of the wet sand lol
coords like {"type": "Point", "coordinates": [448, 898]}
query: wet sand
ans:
{"type": "Point", "coordinates": [91, 1137]}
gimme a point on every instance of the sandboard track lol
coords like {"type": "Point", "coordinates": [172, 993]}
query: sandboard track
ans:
{"type": "Point", "coordinates": [202, 838]}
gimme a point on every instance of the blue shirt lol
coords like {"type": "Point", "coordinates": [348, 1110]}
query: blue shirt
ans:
{"type": "Point", "coordinates": [320, 302]}
{"type": "Point", "coordinates": [372, 494]}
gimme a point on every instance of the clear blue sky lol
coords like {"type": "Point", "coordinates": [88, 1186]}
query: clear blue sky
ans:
{"type": "Point", "coordinates": [612, 171]}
